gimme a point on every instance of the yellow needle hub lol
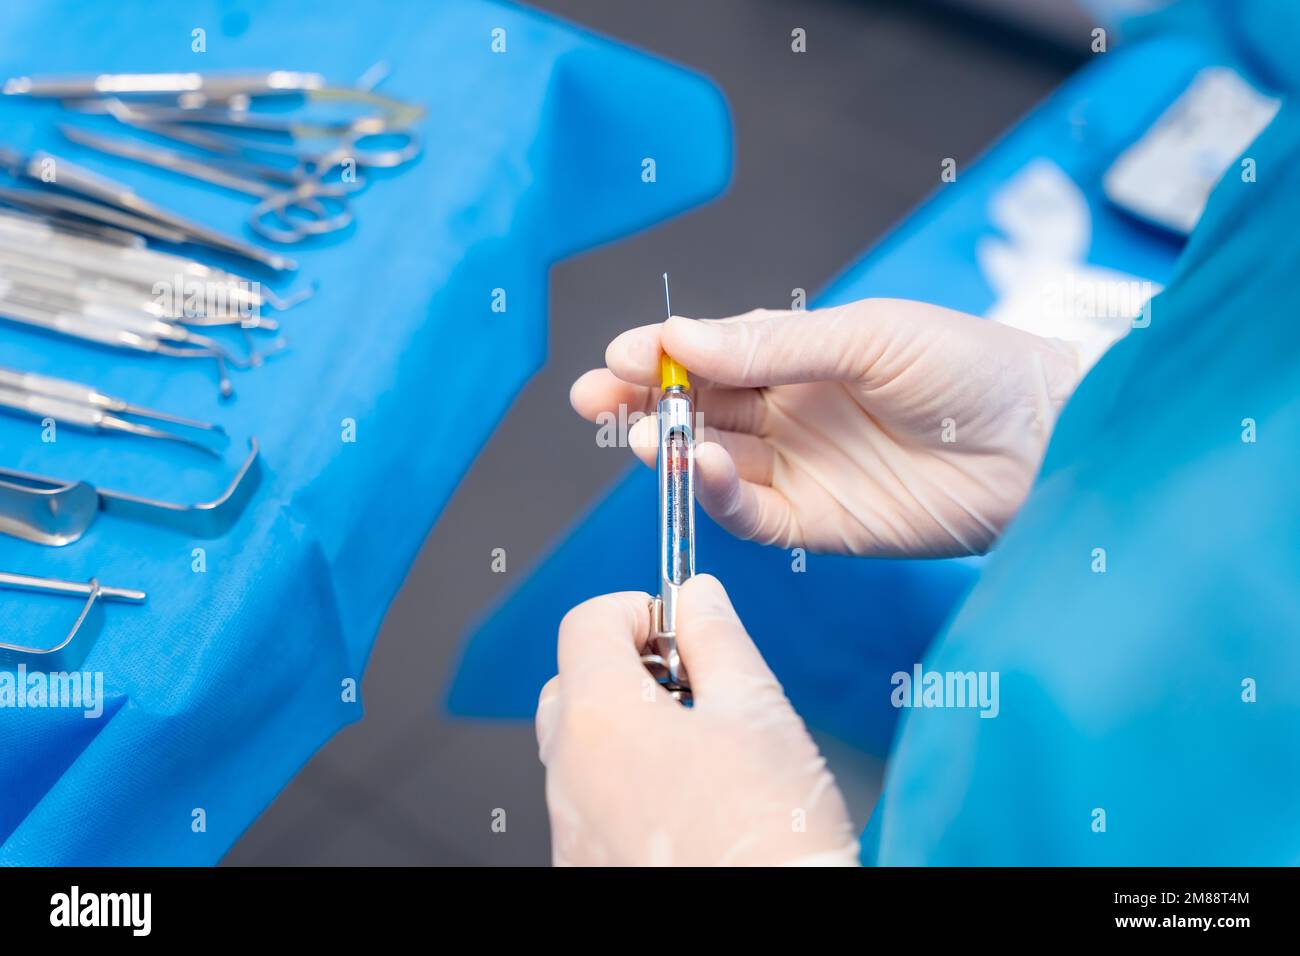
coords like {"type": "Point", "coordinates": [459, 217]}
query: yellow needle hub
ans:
{"type": "Point", "coordinates": [672, 374]}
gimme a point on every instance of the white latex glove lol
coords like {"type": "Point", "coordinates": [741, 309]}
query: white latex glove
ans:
{"type": "Point", "coordinates": [634, 778]}
{"type": "Point", "coordinates": [883, 427]}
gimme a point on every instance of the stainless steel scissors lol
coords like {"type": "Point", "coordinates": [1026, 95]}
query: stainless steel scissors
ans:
{"type": "Point", "coordinates": [213, 112]}
{"type": "Point", "coordinates": [301, 207]}
{"type": "Point", "coordinates": [283, 160]}
{"type": "Point", "coordinates": [245, 134]}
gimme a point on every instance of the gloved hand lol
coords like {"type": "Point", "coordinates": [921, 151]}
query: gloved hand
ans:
{"type": "Point", "coordinates": [634, 778]}
{"type": "Point", "coordinates": [883, 427]}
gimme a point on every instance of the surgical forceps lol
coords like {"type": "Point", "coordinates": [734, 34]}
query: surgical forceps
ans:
{"type": "Point", "coordinates": [70, 652]}
{"type": "Point", "coordinates": [110, 201]}
{"type": "Point", "coordinates": [81, 406]}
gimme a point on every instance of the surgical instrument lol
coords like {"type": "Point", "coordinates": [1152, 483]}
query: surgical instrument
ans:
{"type": "Point", "coordinates": [226, 163]}
{"type": "Point", "coordinates": [227, 149]}
{"type": "Point", "coordinates": [58, 226]}
{"type": "Point", "coordinates": [196, 91]}
{"type": "Point", "coordinates": [85, 395]}
{"type": "Point", "coordinates": [309, 196]}
{"type": "Point", "coordinates": [345, 128]}
{"type": "Point", "coordinates": [103, 277]}
{"type": "Point", "coordinates": [75, 325]}
{"type": "Point", "coordinates": [304, 182]}
{"type": "Point", "coordinates": [70, 652]}
{"type": "Point", "coordinates": [344, 135]}
{"type": "Point", "coordinates": [40, 290]}
{"type": "Point", "coordinates": [218, 100]}
{"type": "Point", "coordinates": [94, 289]}
{"type": "Point", "coordinates": [56, 512]}
{"type": "Point", "coordinates": [95, 213]}
{"type": "Point", "coordinates": [211, 85]}
{"type": "Point", "coordinates": [676, 467]}
{"type": "Point", "coordinates": [138, 267]}
{"type": "Point", "coordinates": [225, 100]}
{"type": "Point", "coordinates": [80, 406]}
{"type": "Point", "coordinates": [111, 199]}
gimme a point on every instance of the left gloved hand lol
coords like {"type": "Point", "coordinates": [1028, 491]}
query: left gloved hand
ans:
{"type": "Point", "coordinates": [633, 778]}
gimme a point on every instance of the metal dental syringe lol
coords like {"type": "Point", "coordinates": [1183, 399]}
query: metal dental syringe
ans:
{"type": "Point", "coordinates": [676, 523]}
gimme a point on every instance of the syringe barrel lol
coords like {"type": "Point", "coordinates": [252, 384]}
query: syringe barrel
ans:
{"type": "Point", "coordinates": [676, 519]}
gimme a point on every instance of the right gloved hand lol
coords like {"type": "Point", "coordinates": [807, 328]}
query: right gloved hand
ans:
{"type": "Point", "coordinates": [882, 427]}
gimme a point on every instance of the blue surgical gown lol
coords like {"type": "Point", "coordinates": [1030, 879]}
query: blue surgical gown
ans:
{"type": "Point", "coordinates": [1149, 712]}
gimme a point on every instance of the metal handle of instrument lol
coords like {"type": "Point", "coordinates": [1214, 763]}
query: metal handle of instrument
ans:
{"type": "Point", "coordinates": [45, 406]}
